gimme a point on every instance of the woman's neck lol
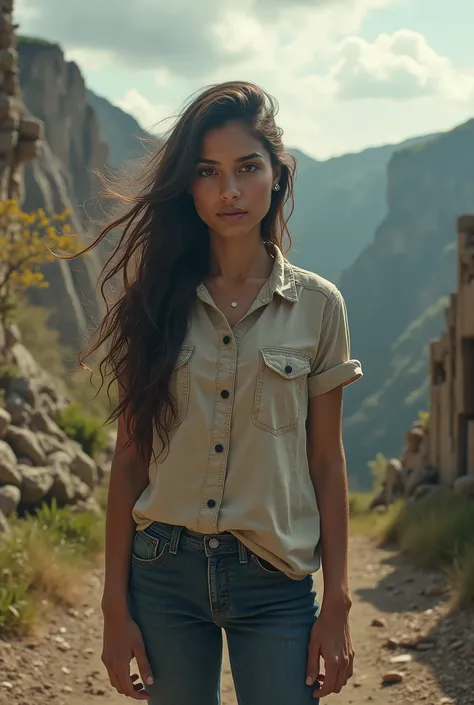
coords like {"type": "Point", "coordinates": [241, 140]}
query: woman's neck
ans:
{"type": "Point", "coordinates": [236, 259]}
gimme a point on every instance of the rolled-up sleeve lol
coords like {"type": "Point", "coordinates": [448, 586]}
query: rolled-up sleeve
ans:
{"type": "Point", "coordinates": [333, 366]}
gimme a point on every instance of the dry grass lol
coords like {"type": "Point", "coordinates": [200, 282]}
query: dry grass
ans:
{"type": "Point", "coordinates": [42, 563]}
{"type": "Point", "coordinates": [438, 534]}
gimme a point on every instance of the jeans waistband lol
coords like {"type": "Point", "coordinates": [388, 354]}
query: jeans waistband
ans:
{"type": "Point", "coordinates": [209, 544]}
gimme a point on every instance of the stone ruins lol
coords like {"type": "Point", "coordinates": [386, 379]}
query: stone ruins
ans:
{"type": "Point", "coordinates": [441, 451]}
{"type": "Point", "coordinates": [20, 134]}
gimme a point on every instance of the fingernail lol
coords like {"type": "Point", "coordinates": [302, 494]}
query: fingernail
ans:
{"type": "Point", "coordinates": [309, 680]}
{"type": "Point", "coordinates": [149, 680]}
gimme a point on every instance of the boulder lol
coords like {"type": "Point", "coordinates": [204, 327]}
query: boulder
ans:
{"type": "Point", "coordinates": [4, 526]}
{"type": "Point", "coordinates": [24, 442]}
{"type": "Point", "coordinates": [10, 497]}
{"type": "Point", "coordinates": [63, 488]}
{"type": "Point", "coordinates": [5, 421]}
{"type": "Point", "coordinates": [27, 388]}
{"type": "Point", "coordinates": [37, 482]}
{"type": "Point", "coordinates": [83, 492]}
{"type": "Point", "coordinates": [40, 421]}
{"type": "Point", "coordinates": [9, 472]}
{"type": "Point", "coordinates": [85, 468]}
{"type": "Point", "coordinates": [49, 444]}
{"type": "Point", "coordinates": [16, 406]}
{"type": "Point", "coordinates": [464, 486]}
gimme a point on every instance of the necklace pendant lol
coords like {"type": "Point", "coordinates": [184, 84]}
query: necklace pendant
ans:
{"type": "Point", "coordinates": [234, 304]}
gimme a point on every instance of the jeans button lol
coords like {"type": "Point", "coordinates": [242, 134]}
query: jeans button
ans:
{"type": "Point", "coordinates": [214, 543]}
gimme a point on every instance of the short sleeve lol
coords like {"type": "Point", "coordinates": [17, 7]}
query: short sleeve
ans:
{"type": "Point", "coordinates": [332, 366]}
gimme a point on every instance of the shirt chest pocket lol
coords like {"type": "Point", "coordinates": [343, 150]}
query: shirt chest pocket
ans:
{"type": "Point", "coordinates": [180, 384]}
{"type": "Point", "coordinates": [280, 389]}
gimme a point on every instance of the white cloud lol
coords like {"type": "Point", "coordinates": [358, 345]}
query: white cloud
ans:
{"type": "Point", "coordinates": [400, 66]}
{"type": "Point", "coordinates": [147, 113]}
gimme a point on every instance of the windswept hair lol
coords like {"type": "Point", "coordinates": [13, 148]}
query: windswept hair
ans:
{"type": "Point", "coordinates": [162, 255]}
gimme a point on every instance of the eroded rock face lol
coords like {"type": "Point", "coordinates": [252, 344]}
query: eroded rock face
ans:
{"type": "Point", "coordinates": [62, 177]}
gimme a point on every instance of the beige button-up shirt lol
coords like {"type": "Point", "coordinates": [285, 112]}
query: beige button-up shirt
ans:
{"type": "Point", "coordinates": [237, 460]}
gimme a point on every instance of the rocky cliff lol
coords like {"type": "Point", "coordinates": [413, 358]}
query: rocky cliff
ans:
{"type": "Point", "coordinates": [63, 177]}
{"type": "Point", "coordinates": [396, 287]}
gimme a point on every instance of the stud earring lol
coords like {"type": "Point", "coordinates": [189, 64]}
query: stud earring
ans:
{"type": "Point", "coordinates": [276, 187]}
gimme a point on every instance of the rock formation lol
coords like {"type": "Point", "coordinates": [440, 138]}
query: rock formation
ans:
{"type": "Point", "coordinates": [20, 134]}
{"type": "Point", "coordinates": [63, 178]}
{"type": "Point", "coordinates": [38, 462]}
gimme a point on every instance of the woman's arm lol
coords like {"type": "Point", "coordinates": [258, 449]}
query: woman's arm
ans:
{"type": "Point", "coordinates": [122, 637]}
{"type": "Point", "coordinates": [327, 465]}
{"type": "Point", "coordinates": [128, 479]}
{"type": "Point", "coordinates": [330, 637]}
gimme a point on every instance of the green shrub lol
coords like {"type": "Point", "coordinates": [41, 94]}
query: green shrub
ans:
{"type": "Point", "coordinates": [84, 428]}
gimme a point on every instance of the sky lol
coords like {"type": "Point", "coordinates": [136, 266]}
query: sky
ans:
{"type": "Point", "coordinates": [347, 74]}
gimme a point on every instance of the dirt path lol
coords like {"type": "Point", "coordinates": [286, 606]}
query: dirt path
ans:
{"type": "Point", "coordinates": [392, 617]}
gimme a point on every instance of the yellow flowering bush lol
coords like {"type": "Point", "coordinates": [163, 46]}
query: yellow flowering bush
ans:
{"type": "Point", "coordinates": [27, 241]}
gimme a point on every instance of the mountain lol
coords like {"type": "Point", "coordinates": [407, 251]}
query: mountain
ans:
{"type": "Point", "coordinates": [397, 287]}
{"type": "Point", "coordinates": [339, 203]}
{"type": "Point", "coordinates": [121, 131]}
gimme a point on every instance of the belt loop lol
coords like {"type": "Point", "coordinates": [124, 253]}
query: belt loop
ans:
{"type": "Point", "coordinates": [243, 553]}
{"type": "Point", "coordinates": [175, 536]}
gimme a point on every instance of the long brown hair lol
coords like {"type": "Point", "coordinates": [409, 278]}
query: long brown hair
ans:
{"type": "Point", "coordinates": [163, 255]}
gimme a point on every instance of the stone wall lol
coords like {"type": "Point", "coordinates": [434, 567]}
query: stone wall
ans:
{"type": "Point", "coordinates": [20, 134]}
{"type": "Point", "coordinates": [451, 432]}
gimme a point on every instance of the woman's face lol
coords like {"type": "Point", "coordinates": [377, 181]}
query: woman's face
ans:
{"type": "Point", "coordinates": [232, 187]}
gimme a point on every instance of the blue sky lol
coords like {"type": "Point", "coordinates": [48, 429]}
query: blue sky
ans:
{"type": "Point", "coordinates": [348, 74]}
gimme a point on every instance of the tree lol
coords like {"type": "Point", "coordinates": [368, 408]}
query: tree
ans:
{"type": "Point", "coordinates": [27, 241]}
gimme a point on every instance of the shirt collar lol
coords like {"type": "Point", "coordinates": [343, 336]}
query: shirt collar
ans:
{"type": "Point", "coordinates": [281, 281]}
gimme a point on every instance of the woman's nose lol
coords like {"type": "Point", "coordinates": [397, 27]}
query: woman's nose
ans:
{"type": "Point", "coordinates": [229, 189]}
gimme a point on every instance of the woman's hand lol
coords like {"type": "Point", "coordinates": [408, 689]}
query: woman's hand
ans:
{"type": "Point", "coordinates": [330, 640]}
{"type": "Point", "coordinates": [122, 642]}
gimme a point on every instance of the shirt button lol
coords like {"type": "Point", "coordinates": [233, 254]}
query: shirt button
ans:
{"type": "Point", "coordinates": [214, 543]}
{"type": "Point", "coordinates": [288, 369]}
{"type": "Point", "coordinates": [219, 448]}
{"type": "Point", "coordinates": [211, 503]}
{"type": "Point", "coordinates": [225, 394]}
{"type": "Point", "coordinates": [226, 340]}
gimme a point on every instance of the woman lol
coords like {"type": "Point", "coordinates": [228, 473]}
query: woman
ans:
{"type": "Point", "coordinates": [228, 482]}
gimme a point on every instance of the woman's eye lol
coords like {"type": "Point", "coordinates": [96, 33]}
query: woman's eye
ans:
{"type": "Point", "coordinates": [249, 168]}
{"type": "Point", "coordinates": [206, 171]}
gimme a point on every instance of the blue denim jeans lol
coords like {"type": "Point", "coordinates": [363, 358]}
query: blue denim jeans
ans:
{"type": "Point", "coordinates": [185, 588]}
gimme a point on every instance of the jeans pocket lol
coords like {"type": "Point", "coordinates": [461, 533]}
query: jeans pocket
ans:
{"type": "Point", "coordinates": [266, 568]}
{"type": "Point", "coordinates": [149, 550]}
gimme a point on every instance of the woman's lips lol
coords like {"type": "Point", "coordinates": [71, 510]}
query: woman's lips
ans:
{"type": "Point", "coordinates": [232, 217]}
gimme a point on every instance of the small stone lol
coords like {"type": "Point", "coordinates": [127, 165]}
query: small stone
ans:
{"type": "Point", "coordinates": [88, 652]}
{"type": "Point", "coordinates": [65, 670]}
{"type": "Point", "coordinates": [392, 677]}
{"type": "Point", "coordinates": [391, 644]}
{"type": "Point", "coordinates": [67, 689]}
{"type": "Point", "coordinates": [401, 658]}
{"type": "Point", "coordinates": [74, 613]}
{"type": "Point", "coordinates": [378, 622]}
{"type": "Point", "coordinates": [7, 685]}
{"type": "Point", "coordinates": [425, 646]}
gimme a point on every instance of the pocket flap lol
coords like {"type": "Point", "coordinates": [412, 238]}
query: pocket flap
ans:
{"type": "Point", "coordinates": [286, 363]}
{"type": "Point", "coordinates": [184, 355]}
